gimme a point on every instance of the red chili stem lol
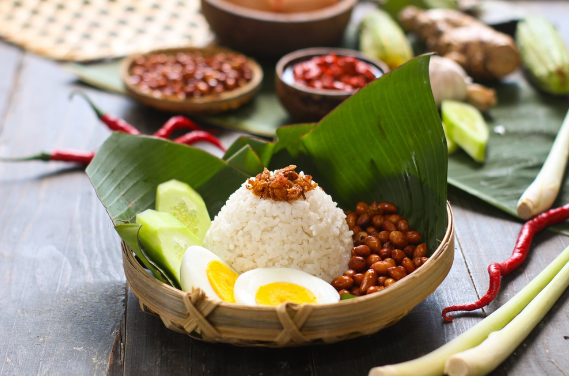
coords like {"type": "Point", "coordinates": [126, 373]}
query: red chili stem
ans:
{"type": "Point", "coordinates": [197, 136]}
{"type": "Point", "coordinates": [63, 155]}
{"type": "Point", "coordinates": [519, 254]}
{"type": "Point", "coordinates": [114, 123]}
{"type": "Point", "coordinates": [175, 123]}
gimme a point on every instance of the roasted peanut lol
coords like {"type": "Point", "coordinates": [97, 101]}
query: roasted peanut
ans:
{"type": "Point", "coordinates": [388, 282]}
{"type": "Point", "coordinates": [374, 289]}
{"type": "Point", "coordinates": [373, 243]}
{"type": "Point", "coordinates": [398, 255]}
{"type": "Point", "coordinates": [387, 207]}
{"type": "Point", "coordinates": [351, 220]}
{"type": "Point", "coordinates": [372, 259]}
{"type": "Point", "coordinates": [358, 279]}
{"type": "Point", "coordinates": [361, 207]}
{"type": "Point", "coordinates": [398, 239]}
{"type": "Point", "coordinates": [388, 226]}
{"type": "Point", "coordinates": [377, 220]}
{"type": "Point", "coordinates": [357, 263]}
{"type": "Point", "coordinates": [362, 251]}
{"type": "Point", "coordinates": [420, 251]}
{"type": "Point", "coordinates": [409, 250]}
{"type": "Point", "coordinates": [350, 273]}
{"type": "Point", "coordinates": [413, 237]}
{"type": "Point", "coordinates": [370, 279]}
{"type": "Point", "coordinates": [397, 272]}
{"type": "Point", "coordinates": [394, 218]}
{"type": "Point", "coordinates": [381, 267]}
{"type": "Point", "coordinates": [408, 265]}
{"type": "Point", "coordinates": [343, 282]}
{"type": "Point", "coordinates": [363, 220]}
{"type": "Point", "coordinates": [385, 253]}
{"type": "Point", "coordinates": [403, 226]}
{"type": "Point", "coordinates": [383, 236]}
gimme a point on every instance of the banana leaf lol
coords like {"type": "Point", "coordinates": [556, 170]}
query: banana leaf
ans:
{"type": "Point", "coordinates": [522, 129]}
{"type": "Point", "coordinates": [386, 143]}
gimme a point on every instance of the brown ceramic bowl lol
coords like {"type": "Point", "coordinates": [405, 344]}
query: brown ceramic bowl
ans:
{"type": "Point", "coordinates": [208, 104]}
{"type": "Point", "coordinates": [306, 104]}
{"type": "Point", "coordinates": [272, 34]}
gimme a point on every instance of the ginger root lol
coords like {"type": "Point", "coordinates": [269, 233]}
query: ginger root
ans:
{"type": "Point", "coordinates": [482, 51]}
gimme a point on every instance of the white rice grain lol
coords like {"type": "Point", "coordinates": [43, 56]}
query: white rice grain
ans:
{"type": "Point", "coordinates": [310, 235]}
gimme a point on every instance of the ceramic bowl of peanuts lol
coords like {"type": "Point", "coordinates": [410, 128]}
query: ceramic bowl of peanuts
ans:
{"type": "Point", "coordinates": [386, 250]}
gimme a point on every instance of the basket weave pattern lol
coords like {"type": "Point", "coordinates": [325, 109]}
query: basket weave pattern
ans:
{"type": "Point", "coordinates": [97, 29]}
{"type": "Point", "coordinates": [288, 324]}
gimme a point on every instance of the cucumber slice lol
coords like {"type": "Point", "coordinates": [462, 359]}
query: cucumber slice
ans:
{"type": "Point", "coordinates": [466, 127]}
{"type": "Point", "coordinates": [451, 145]}
{"type": "Point", "coordinates": [166, 240]}
{"type": "Point", "coordinates": [180, 200]}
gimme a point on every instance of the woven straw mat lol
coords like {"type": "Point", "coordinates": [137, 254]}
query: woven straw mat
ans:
{"type": "Point", "coordinates": [81, 30]}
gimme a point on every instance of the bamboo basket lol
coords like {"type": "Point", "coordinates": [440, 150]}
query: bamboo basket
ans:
{"type": "Point", "coordinates": [288, 324]}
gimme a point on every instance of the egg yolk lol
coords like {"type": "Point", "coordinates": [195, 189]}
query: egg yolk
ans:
{"type": "Point", "coordinates": [222, 279]}
{"type": "Point", "coordinates": [276, 293]}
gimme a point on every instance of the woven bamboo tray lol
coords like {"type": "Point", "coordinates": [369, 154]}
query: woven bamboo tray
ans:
{"type": "Point", "coordinates": [288, 324]}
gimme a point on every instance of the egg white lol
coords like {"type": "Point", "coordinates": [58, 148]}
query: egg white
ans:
{"type": "Point", "coordinates": [193, 271]}
{"type": "Point", "coordinates": [248, 284]}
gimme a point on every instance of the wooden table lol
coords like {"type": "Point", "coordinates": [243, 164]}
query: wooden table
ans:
{"type": "Point", "coordinates": [64, 306]}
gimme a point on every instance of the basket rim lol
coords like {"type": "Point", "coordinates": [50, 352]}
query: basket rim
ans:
{"type": "Point", "coordinates": [423, 270]}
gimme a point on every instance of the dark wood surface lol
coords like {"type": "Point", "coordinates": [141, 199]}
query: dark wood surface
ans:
{"type": "Point", "coordinates": [64, 309]}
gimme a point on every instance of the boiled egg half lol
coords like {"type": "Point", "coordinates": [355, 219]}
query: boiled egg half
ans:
{"type": "Point", "coordinates": [274, 286]}
{"type": "Point", "coordinates": [202, 268]}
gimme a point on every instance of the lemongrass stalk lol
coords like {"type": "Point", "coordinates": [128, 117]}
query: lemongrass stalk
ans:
{"type": "Point", "coordinates": [433, 363]}
{"type": "Point", "coordinates": [539, 196]}
{"type": "Point", "coordinates": [485, 357]}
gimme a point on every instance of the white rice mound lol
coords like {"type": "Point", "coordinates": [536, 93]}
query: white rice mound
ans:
{"type": "Point", "coordinates": [310, 235]}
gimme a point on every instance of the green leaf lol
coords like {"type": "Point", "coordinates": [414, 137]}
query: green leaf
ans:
{"type": "Point", "coordinates": [102, 75]}
{"type": "Point", "coordinates": [129, 233]}
{"type": "Point", "coordinates": [247, 161]}
{"type": "Point", "coordinates": [127, 169]}
{"type": "Point", "coordinates": [393, 7]}
{"type": "Point", "coordinates": [522, 129]}
{"type": "Point", "coordinates": [262, 148]}
{"type": "Point", "coordinates": [387, 144]}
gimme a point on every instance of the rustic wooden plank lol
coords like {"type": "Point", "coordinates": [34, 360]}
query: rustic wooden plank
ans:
{"type": "Point", "coordinates": [62, 282]}
{"type": "Point", "coordinates": [488, 235]}
{"type": "Point", "coordinates": [419, 333]}
{"type": "Point", "coordinates": [151, 349]}
{"type": "Point", "coordinates": [11, 63]}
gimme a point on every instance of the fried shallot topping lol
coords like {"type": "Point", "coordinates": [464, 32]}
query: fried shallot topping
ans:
{"type": "Point", "coordinates": [284, 185]}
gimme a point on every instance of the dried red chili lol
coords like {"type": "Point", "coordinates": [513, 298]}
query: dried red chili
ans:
{"type": "Point", "coordinates": [346, 73]}
{"type": "Point", "coordinates": [175, 123]}
{"type": "Point", "coordinates": [113, 122]}
{"type": "Point", "coordinates": [189, 75]}
{"type": "Point", "coordinates": [199, 136]}
{"type": "Point", "coordinates": [521, 250]}
{"type": "Point", "coordinates": [63, 155]}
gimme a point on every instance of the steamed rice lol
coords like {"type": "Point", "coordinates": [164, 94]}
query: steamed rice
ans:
{"type": "Point", "coordinates": [310, 235]}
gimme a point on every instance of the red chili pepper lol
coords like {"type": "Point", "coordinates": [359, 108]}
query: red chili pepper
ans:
{"type": "Point", "coordinates": [176, 122]}
{"type": "Point", "coordinates": [521, 250]}
{"type": "Point", "coordinates": [113, 122]}
{"type": "Point", "coordinates": [64, 155]}
{"type": "Point", "coordinates": [197, 136]}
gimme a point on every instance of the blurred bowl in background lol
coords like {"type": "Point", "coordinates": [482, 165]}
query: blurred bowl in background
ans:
{"type": "Point", "coordinates": [307, 104]}
{"type": "Point", "coordinates": [203, 105]}
{"type": "Point", "coordinates": [272, 34]}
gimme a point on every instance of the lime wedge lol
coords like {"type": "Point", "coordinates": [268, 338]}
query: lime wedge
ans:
{"type": "Point", "coordinates": [166, 240]}
{"type": "Point", "coordinates": [180, 200]}
{"type": "Point", "coordinates": [451, 145]}
{"type": "Point", "coordinates": [466, 127]}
